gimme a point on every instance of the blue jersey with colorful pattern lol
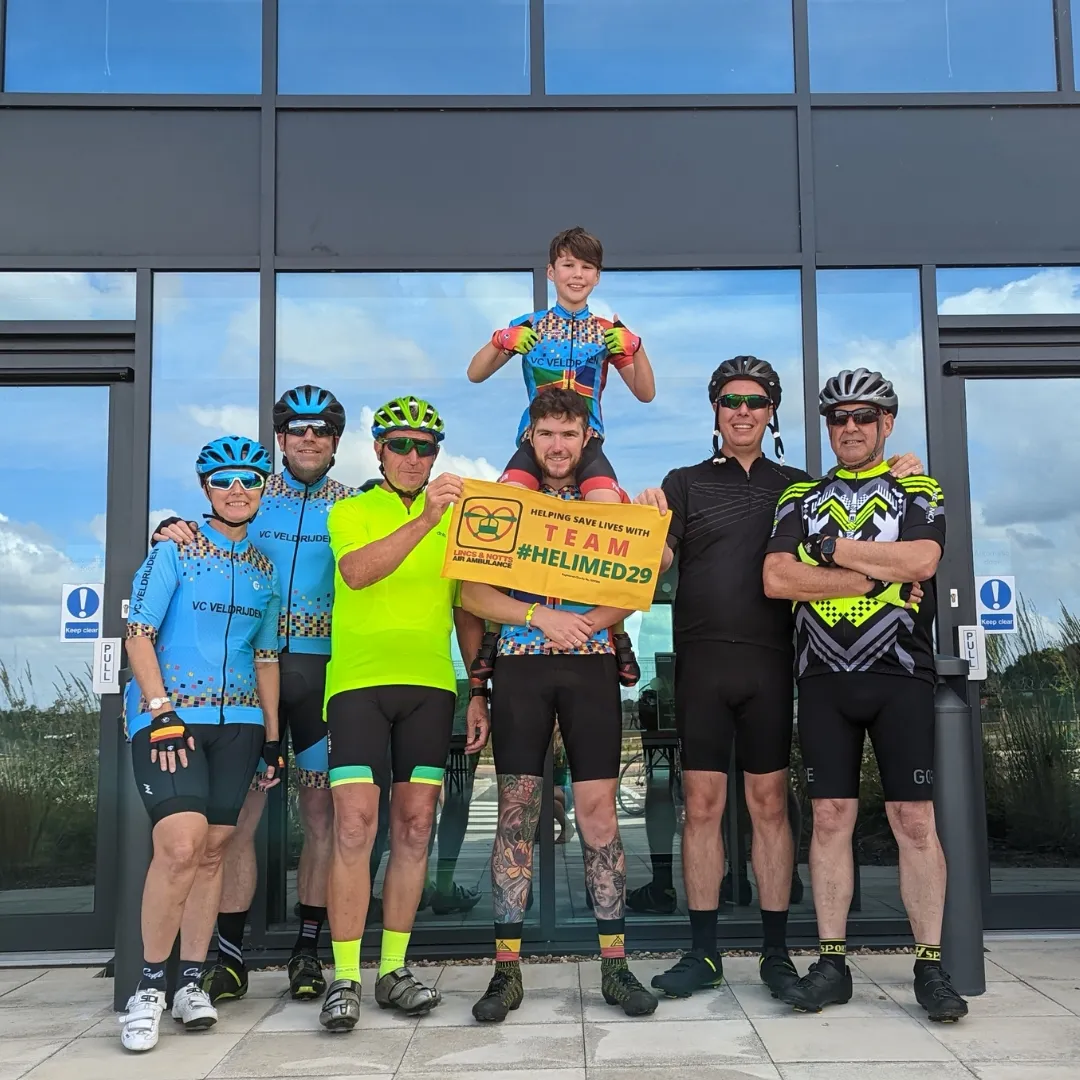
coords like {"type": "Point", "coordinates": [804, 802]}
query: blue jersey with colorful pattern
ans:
{"type": "Point", "coordinates": [528, 640]}
{"type": "Point", "coordinates": [291, 529]}
{"type": "Point", "coordinates": [570, 355]}
{"type": "Point", "coordinates": [211, 609]}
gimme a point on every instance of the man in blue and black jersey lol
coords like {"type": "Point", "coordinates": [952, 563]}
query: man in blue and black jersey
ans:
{"type": "Point", "coordinates": [202, 642]}
{"type": "Point", "coordinates": [291, 530]}
{"type": "Point", "coordinates": [857, 552]}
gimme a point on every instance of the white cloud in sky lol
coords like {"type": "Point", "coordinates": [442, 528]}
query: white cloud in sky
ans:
{"type": "Point", "coordinates": [1049, 291]}
{"type": "Point", "coordinates": [66, 295]}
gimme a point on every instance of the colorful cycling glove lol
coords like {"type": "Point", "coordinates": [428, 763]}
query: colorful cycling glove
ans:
{"type": "Point", "coordinates": [168, 732]}
{"type": "Point", "coordinates": [519, 339]}
{"type": "Point", "coordinates": [619, 340]}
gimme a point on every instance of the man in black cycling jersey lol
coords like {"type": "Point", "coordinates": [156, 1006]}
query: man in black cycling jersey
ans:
{"type": "Point", "coordinates": [843, 548]}
{"type": "Point", "coordinates": [555, 658]}
{"type": "Point", "coordinates": [291, 531]}
{"type": "Point", "coordinates": [733, 667]}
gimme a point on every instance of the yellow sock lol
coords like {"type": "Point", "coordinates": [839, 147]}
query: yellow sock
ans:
{"type": "Point", "coordinates": [392, 954]}
{"type": "Point", "coordinates": [347, 959]}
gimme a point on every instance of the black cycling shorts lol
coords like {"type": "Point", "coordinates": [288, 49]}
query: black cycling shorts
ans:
{"type": "Point", "coordinates": [303, 690]}
{"type": "Point", "coordinates": [727, 694]}
{"type": "Point", "coordinates": [835, 713]}
{"type": "Point", "coordinates": [414, 721]}
{"type": "Point", "coordinates": [215, 781]}
{"type": "Point", "coordinates": [528, 692]}
{"type": "Point", "coordinates": [593, 472]}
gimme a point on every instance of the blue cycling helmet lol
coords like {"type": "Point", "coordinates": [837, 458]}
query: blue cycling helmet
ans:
{"type": "Point", "coordinates": [233, 452]}
{"type": "Point", "coordinates": [309, 402]}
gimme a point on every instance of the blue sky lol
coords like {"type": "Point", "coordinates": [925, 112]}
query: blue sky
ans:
{"type": "Point", "coordinates": [482, 46]}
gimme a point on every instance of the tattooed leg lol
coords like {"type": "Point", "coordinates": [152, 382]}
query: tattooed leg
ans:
{"type": "Point", "coordinates": [512, 853]}
{"type": "Point", "coordinates": [605, 860]}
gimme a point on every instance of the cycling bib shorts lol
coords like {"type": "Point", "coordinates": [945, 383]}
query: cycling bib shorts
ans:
{"type": "Point", "coordinates": [836, 711]}
{"type": "Point", "coordinates": [729, 694]}
{"type": "Point", "coordinates": [529, 691]}
{"type": "Point", "coordinates": [414, 721]}
{"type": "Point", "coordinates": [216, 779]}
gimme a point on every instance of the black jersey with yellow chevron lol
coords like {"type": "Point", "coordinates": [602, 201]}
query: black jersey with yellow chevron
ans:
{"type": "Point", "coordinates": [862, 633]}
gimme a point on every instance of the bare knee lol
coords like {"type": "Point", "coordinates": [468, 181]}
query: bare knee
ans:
{"type": "Point", "coordinates": [180, 855]}
{"type": "Point", "coordinates": [410, 829]}
{"type": "Point", "coordinates": [354, 828]}
{"type": "Point", "coordinates": [705, 800]}
{"type": "Point", "coordinates": [766, 799]}
{"type": "Point", "coordinates": [835, 817]}
{"type": "Point", "coordinates": [913, 823]}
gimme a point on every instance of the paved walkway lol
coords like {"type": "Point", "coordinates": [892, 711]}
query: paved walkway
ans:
{"type": "Point", "coordinates": [58, 1025]}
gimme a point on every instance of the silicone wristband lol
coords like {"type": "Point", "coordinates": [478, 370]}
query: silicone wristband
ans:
{"type": "Point", "coordinates": [529, 614]}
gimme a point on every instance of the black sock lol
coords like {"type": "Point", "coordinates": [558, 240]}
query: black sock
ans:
{"type": "Point", "coordinates": [703, 931]}
{"type": "Point", "coordinates": [927, 956]}
{"type": "Point", "coordinates": [774, 929]}
{"type": "Point", "coordinates": [191, 971]}
{"type": "Point", "coordinates": [661, 870]}
{"type": "Point", "coordinates": [230, 938]}
{"type": "Point", "coordinates": [834, 952]}
{"type": "Point", "coordinates": [311, 924]}
{"type": "Point", "coordinates": [153, 975]}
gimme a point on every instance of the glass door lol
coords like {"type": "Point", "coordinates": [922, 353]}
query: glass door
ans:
{"type": "Point", "coordinates": [67, 496]}
{"type": "Point", "coordinates": [1023, 467]}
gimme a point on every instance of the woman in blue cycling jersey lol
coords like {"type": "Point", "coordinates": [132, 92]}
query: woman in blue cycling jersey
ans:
{"type": "Point", "coordinates": [202, 642]}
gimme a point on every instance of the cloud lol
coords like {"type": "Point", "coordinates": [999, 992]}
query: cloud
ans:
{"type": "Point", "coordinates": [1050, 291]}
{"type": "Point", "coordinates": [225, 419]}
{"type": "Point", "coordinates": [64, 295]}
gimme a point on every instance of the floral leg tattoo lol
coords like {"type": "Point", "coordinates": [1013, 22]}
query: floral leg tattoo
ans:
{"type": "Point", "coordinates": [605, 878]}
{"type": "Point", "coordinates": [512, 854]}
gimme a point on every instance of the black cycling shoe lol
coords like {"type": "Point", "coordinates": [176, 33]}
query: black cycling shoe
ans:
{"type": "Point", "coordinates": [727, 891]}
{"type": "Point", "coordinates": [824, 984]}
{"type": "Point", "coordinates": [651, 899]}
{"type": "Point", "coordinates": [695, 971]}
{"type": "Point", "coordinates": [222, 982]}
{"type": "Point", "coordinates": [457, 900]}
{"type": "Point", "coordinates": [629, 669]}
{"type": "Point", "coordinates": [504, 994]}
{"type": "Point", "coordinates": [934, 992]}
{"type": "Point", "coordinates": [620, 987]}
{"type": "Point", "coordinates": [306, 980]}
{"type": "Point", "coordinates": [484, 662]}
{"type": "Point", "coordinates": [777, 971]}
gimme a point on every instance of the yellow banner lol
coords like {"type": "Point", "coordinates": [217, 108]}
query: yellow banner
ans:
{"type": "Point", "coordinates": [585, 552]}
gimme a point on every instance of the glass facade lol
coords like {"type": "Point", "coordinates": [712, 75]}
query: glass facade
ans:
{"type": "Point", "coordinates": [1009, 290]}
{"type": "Point", "coordinates": [657, 47]}
{"type": "Point", "coordinates": [404, 47]}
{"type": "Point", "coordinates": [65, 295]}
{"type": "Point", "coordinates": [872, 319]}
{"type": "Point", "coordinates": [944, 46]}
{"type": "Point", "coordinates": [133, 47]}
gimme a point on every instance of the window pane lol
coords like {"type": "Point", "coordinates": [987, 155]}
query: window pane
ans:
{"type": "Point", "coordinates": [1009, 290]}
{"type": "Point", "coordinates": [370, 337]}
{"type": "Point", "coordinates": [403, 47]}
{"type": "Point", "coordinates": [689, 321]}
{"type": "Point", "coordinates": [890, 46]}
{"type": "Point", "coordinates": [134, 46]}
{"type": "Point", "coordinates": [63, 295]}
{"type": "Point", "coordinates": [52, 533]}
{"type": "Point", "coordinates": [668, 46]}
{"type": "Point", "coordinates": [871, 319]}
{"type": "Point", "coordinates": [205, 379]}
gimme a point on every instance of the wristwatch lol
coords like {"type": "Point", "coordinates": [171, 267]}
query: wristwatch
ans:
{"type": "Point", "coordinates": [157, 703]}
{"type": "Point", "coordinates": [479, 691]}
{"type": "Point", "coordinates": [828, 550]}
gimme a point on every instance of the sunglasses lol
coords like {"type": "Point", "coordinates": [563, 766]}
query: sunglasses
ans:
{"type": "Point", "coordinates": [403, 444]}
{"type": "Point", "coordinates": [319, 428]}
{"type": "Point", "coordinates": [840, 417]}
{"type": "Point", "coordinates": [751, 401]}
{"type": "Point", "coordinates": [224, 479]}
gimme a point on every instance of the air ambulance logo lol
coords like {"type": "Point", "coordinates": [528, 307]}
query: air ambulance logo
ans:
{"type": "Point", "coordinates": [489, 525]}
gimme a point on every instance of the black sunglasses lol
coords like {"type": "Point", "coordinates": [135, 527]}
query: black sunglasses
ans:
{"type": "Point", "coordinates": [403, 444]}
{"type": "Point", "coordinates": [319, 428]}
{"type": "Point", "coordinates": [868, 414]}
{"type": "Point", "coordinates": [752, 401]}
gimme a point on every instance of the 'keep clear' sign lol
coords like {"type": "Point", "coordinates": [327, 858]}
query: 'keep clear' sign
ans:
{"type": "Point", "coordinates": [995, 602]}
{"type": "Point", "coordinates": [80, 612]}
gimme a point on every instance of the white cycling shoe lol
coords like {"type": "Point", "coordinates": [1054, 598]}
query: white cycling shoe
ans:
{"type": "Point", "coordinates": [191, 1006]}
{"type": "Point", "coordinates": [142, 1019]}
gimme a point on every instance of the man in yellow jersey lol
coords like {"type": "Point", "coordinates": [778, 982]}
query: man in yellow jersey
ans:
{"type": "Point", "coordinates": [391, 681]}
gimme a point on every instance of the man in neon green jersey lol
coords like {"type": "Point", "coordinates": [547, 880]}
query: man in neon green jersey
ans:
{"type": "Point", "coordinates": [391, 681]}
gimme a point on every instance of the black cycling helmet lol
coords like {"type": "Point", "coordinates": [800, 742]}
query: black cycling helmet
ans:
{"type": "Point", "coordinates": [309, 402]}
{"type": "Point", "coordinates": [764, 374]}
{"type": "Point", "coordinates": [857, 387]}
{"type": "Point", "coordinates": [746, 367]}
